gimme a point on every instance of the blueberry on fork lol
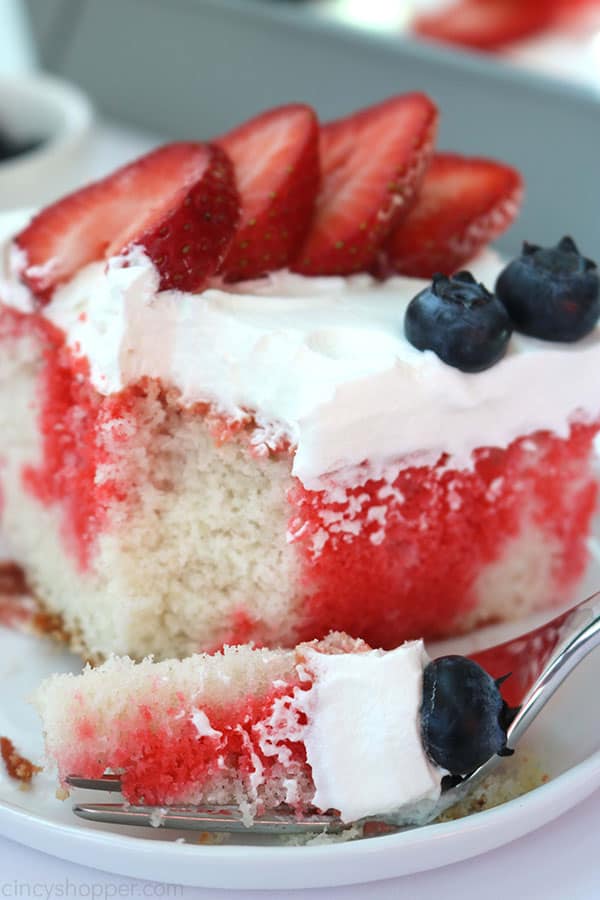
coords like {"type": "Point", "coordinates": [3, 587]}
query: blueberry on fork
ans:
{"type": "Point", "coordinates": [551, 292]}
{"type": "Point", "coordinates": [464, 718]}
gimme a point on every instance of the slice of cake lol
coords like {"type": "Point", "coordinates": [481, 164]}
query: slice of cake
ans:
{"type": "Point", "coordinates": [333, 725]}
{"type": "Point", "coordinates": [189, 460]}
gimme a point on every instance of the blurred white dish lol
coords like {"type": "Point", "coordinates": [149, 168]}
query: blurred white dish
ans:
{"type": "Point", "coordinates": [44, 108]}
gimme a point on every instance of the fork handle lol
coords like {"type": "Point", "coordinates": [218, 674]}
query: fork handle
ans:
{"type": "Point", "coordinates": [580, 634]}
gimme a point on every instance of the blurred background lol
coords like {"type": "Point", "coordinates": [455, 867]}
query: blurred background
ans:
{"type": "Point", "coordinates": [558, 37]}
{"type": "Point", "coordinates": [515, 79]}
{"type": "Point", "coordinates": [88, 40]}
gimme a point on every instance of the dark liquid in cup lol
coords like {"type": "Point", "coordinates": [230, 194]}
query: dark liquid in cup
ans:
{"type": "Point", "coordinates": [11, 147]}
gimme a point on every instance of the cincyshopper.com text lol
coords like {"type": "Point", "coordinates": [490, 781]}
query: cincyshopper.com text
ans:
{"type": "Point", "coordinates": [63, 890]}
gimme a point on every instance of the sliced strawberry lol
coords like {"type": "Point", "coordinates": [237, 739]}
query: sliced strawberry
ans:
{"type": "Point", "coordinates": [179, 203]}
{"type": "Point", "coordinates": [276, 162]}
{"type": "Point", "coordinates": [464, 204]}
{"type": "Point", "coordinates": [487, 24]}
{"type": "Point", "coordinates": [372, 164]}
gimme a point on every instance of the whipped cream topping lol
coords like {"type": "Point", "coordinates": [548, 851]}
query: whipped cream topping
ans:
{"type": "Point", "coordinates": [322, 362]}
{"type": "Point", "coordinates": [363, 739]}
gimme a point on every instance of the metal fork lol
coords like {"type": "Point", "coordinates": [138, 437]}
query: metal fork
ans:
{"type": "Point", "coordinates": [539, 661]}
{"type": "Point", "coordinates": [223, 819]}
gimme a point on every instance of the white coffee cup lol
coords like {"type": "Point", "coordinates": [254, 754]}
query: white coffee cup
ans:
{"type": "Point", "coordinates": [43, 108]}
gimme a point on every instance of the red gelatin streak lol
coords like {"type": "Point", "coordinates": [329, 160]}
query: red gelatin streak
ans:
{"type": "Point", "coordinates": [81, 432]}
{"type": "Point", "coordinates": [74, 420]}
{"type": "Point", "coordinates": [400, 561]}
{"type": "Point", "coordinates": [164, 760]}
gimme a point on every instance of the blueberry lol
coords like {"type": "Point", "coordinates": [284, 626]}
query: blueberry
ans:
{"type": "Point", "coordinates": [463, 716]}
{"type": "Point", "coordinates": [461, 321]}
{"type": "Point", "coordinates": [551, 292]}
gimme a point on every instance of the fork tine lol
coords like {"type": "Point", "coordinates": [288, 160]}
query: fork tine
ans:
{"type": "Point", "coordinates": [203, 818]}
{"type": "Point", "coordinates": [224, 818]}
{"type": "Point", "coordinates": [105, 783]}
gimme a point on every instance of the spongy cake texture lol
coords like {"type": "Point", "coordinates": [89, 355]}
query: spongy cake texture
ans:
{"type": "Point", "coordinates": [150, 528]}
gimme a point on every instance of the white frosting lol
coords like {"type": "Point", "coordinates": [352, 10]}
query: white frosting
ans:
{"type": "Point", "coordinates": [201, 723]}
{"type": "Point", "coordinates": [363, 738]}
{"type": "Point", "coordinates": [320, 361]}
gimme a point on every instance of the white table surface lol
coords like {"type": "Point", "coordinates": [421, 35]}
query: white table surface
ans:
{"type": "Point", "coordinates": [561, 860]}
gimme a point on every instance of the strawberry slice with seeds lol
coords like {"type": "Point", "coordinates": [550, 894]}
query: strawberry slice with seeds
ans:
{"type": "Point", "coordinates": [487, 24]}
{"type": "Point", "coordinates": [178, 203]}
{"type": "Point", "coordinates": [276, 162]}
{"type": "Point", "coordinates": [372, 164]}
{"type": "Point", "coordinates": [464, 204]}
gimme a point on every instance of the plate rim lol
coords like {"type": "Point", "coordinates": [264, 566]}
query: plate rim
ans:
{"type": "Point", "coordinates": [290, 866]}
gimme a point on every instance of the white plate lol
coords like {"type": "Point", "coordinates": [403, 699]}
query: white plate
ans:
{"type": "Point", "coordinates": [570, 756]}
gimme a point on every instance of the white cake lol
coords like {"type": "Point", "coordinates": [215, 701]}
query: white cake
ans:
{"type": "Point", "coordinates": [188, 467]}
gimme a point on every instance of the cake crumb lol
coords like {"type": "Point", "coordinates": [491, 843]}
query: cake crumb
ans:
{"type": "Point", "coordinates": [21, 609]}
{"type": "Point", "coordinates": [48, 624]}
{"type": "Point", "coordinates": [17, 766]}
{"type": "Point", "coordinates": [16, 604]}
{"type": "Point", "coordinates": [509, 780]}
{"type": "Point", "coordinates": [211, 838]}
{"type": "Point", "coordinates": [12, 579]}
{"type": "Point", "coordinates": [374, 828]}
{"type": "Point", "coordinates": [157, 817]}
